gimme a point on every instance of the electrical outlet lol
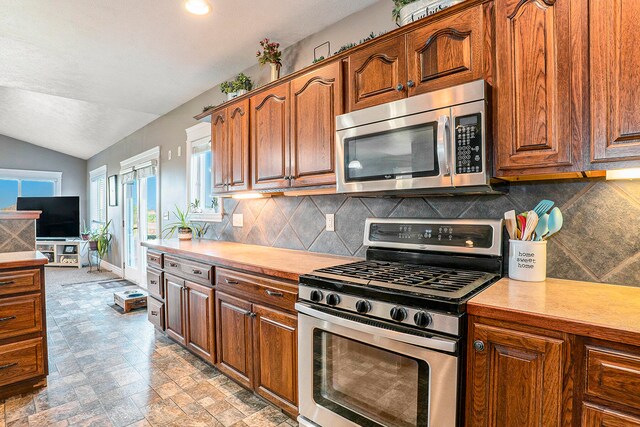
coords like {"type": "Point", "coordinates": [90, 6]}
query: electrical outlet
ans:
{"type": "Point", "coordinates": [166, 215]}
{"type": "Point", "coordinates": [169, 154]}
{"type": "Point", "coordinates": [330, 222]}
{"type": "Point", "coordinates": [237, 220]}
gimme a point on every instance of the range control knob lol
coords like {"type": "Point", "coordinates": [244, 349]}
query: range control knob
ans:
{"type": "Point", "coordinates": [363, 307]}
{"type": "Point", "coordinates": [398, 314]}
{"type": "Point", "coordinates": [333, 299]}
{"type": "Point", "coordinates": [422, 319]}
{"type": "Point", "coordinates": [315, 295]}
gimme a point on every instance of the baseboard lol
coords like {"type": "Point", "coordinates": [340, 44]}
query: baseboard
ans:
{"type": "Point", "coordinates": [112, 268]}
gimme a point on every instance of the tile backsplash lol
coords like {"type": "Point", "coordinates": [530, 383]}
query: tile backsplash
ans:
{"type": "Point", "coordinates": [597, 243]}
{"type": "Point", "coordinates": [17, 235]}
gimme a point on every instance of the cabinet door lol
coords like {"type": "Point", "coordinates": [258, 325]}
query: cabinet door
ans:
{"type": "Point", "coordinates": [594, 416]}
{"type": "Point", "coordinates": [270, 138]}
{"type": "Point", "coordinates": [276, 357]}
{"type": "Point", "coordinates": [447, 52]}
{"type": "Point", "coordinates": [173, 305]}
{"type": "Point", "coordinates": [376, 72]}
{"type": "Point", "coordinates": [615, 82]}
{"type": "Point", "coordinates": [233, 338]}
{"type": "Point", "coordinates": [515, 379]}
{"type": "Point", "coordinates": [315, 103]}
{"type": "Point", "coordinates": [539, 61]}
{"type": "Point", "coordinates": [238, 140]}
{"type": "Point", "coordinates": [219, 150]}
{"type": "Point", "coordinates": [200, 332]}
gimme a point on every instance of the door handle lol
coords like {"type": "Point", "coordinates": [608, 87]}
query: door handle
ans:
{"type": "Point", "coordinates": [443, 144]}
{"type": "Point", "coordinates": [10, 282]}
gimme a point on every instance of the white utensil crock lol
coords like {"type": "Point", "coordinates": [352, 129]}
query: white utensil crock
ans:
{"type": "Point", "coordinates": [528, 260]}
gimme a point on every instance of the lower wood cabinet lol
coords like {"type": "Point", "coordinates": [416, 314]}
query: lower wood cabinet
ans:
{"type": "Point", "coordinates": [174, 308]}
{"type": "Point", "coordinates": [595, 416]}
{"type": "Point", "coordinates": [234, 340]}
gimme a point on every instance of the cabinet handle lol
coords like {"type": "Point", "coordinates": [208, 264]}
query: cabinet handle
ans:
{"type": "Point", "coordinates": [411, 83]}
{"type": "Point", "coordinates": [4, 319]}
{"type": "Point", "coordinates": [11, 282]}
{"type": "Point", "coordinates": [8, 365]}
{"type": "Point", "coordinates": [196, 272]}
{"type": "Point", "coordinates": [478, 345]}
{"type": "Point", "coordinates": [154, 313]}
{"type": "Point", "coordinates": [252, 315]}
{"type": "Point", "coordinates": [274, 293]}
{"type": "Point", "coordinates": [153, 282]}
{"type": "Point", "coordinates": [173, 264]}
{"type": "Point", "coordinates": [399, 87]}
{"type": "Point", "coordinates": [231, 282]}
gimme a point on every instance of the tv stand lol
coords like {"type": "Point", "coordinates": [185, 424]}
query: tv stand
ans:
{"type": "Point", "coordinates": [61, 253]}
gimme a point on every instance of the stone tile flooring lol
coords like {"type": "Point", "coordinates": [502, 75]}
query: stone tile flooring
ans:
{"type": "Point", "coordinates": [111, 369]}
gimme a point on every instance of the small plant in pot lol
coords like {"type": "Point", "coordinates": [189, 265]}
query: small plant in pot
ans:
{"type": "Point", "coordinates": [100, 241]}
{"type": "Point", "coordinates": [241, 85]}
{"type": "Point", "coordinates": [182, 225]}
{"type": "Point", "coordinates": [85, 232]}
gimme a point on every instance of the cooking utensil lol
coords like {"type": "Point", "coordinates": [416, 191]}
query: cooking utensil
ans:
{"type": "Point", "coordinates": [543, 207]}
{"type": "Point", "coordinates": [532, 222]}
{"type": "Point", "coordinates": [511, 224]}
{"type": "Point", "coordinates": [543, 227]}
{"type": "Point", "coordinates": [522, 224]}
{"type": "Point", "coordinates": [555, 222]}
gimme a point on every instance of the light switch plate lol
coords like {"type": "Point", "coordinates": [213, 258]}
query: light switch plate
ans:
{"type": "Point", "coordinates": [179, 150]}
{"type": "Point", "coordinates": [169, 155]}
{"type": "Point", "coordinates": [330, 222]}
{"type": "Point", "coordinates": [166, 215]}
{"type": "Point", "coordinates": [237, 220]}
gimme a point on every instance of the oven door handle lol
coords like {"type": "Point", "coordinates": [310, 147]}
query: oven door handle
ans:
{"type": "Point", "coordinates": [434, 343]}
{"type": "Point", "coordinates": [443, 145]}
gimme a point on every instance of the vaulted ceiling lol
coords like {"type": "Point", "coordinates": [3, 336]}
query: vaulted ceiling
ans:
{"type": "Point", "coordinates": [77, 76]}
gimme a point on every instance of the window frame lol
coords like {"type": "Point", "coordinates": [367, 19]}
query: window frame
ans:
{"type": "Point", "coordinates": [94, 175]}
{"type": "Point", "coordinates": [33, 175]}
{"type": "Point", "coordinates": [197, 135]}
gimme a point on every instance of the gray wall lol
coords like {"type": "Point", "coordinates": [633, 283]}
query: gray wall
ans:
{"type": "Point", "coordinates": [594, 245]}
{"type": "Point", "coordinates": [16, 154]}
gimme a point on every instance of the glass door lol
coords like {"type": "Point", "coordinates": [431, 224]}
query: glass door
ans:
{"type": "Point", "coordinates": [131, 231]}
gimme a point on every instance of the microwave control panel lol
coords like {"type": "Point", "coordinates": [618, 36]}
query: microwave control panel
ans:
{"type": "Point", "coordinates": [468, 144]}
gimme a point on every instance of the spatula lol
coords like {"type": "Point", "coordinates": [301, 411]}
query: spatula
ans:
{"type": "Point", "coordinates": [543, 227]}
{"type": "Point", "coordinates": [532, 222]}
{"type": "Point", "coordinates": [555, 222]}
{"type": "Point", "coordinates": [511, 224]}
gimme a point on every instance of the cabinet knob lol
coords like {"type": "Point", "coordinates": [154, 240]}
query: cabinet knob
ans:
{"type": "Point", "coordinates": [411, 83]}
{"type": "Point", "coordinates": [478, 345]}
{"type": "Point", "coordinates": [399, 87]}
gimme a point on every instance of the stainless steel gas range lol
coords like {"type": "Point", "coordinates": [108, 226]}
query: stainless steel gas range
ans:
{"type": "Point", "coordinates": [381, 341]}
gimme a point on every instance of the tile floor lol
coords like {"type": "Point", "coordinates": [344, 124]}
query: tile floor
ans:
{"type": "Point", "coordinates": [110, 369]}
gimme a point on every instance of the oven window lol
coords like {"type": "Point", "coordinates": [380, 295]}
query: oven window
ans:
{"type": "Point", "coordinates": [408, 152]}
{"type": "Point", "coordinates": [368, 385]}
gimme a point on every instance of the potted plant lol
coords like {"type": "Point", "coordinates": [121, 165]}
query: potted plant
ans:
{"type": "Point", "coordinates": [406, 11]}
{"type": "Point", "coordinates": [271, 55]}
{"type": "Point", "coordinates": [85, 232]}
{"type": "Point", "coordinates": [100, 241]}
{"type": "Point", "coordinates": [241, 85]}
{"type": "Point", "coordinates": [182, 225]}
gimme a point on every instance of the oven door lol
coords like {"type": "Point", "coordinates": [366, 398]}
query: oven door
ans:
{"type": "Point", "coordinates": [405, 153]}
{"type": "Point", "coordinates": [357, 374]}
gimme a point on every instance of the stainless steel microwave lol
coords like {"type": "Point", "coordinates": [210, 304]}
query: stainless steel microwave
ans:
{"type": "Point", "coordinates": [430, 143]}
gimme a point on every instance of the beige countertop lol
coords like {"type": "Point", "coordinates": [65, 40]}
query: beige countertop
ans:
{"type": "Point", "coordinates": [284, 263]}
{"type": "Point", "coordinates": [609, 312]}
{"type": "Point", "coordinates": [22, 259]}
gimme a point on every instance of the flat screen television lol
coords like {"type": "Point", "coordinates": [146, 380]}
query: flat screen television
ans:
{"type": "Point", "coordinates": [60, 216]}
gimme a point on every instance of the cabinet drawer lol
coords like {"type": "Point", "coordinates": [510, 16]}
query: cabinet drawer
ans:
{"type": "Point", "coordinates": [258, 289]}
{"type": "Point", "coordinates": [14, 282]}
{"type": "Point", "coordinates": [155, 313]}
{"type": "Point", "coordinates": [193, 270]}
{"type": "Point", "coordinates": [613, 375]}
{"type": "Point", "coordinates": [154, 283]}
{"type": "Point", "coordinates": [154, 259]}
{"type": "Point", "coordinates": [20, 315]}
{"type": "Point", "coordinates": [21, 361]}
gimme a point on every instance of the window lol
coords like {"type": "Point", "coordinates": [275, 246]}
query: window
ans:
{"type": "Point", "coordinates": [98, 197]}
{"type": "Point", "coordinates": [205, 206]}
{"type": "Point", "coordinates": [16, 183]}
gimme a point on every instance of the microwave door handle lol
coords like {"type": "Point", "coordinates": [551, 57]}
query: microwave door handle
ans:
{"type": "Point", "coordinates": [443, 144]}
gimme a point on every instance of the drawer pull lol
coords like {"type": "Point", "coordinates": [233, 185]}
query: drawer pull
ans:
{"type": "Point", "coordinates": [199, 272]}
{"type": "Point", "coordinates": [153, 282]}
{"type": "Point", "coordinates": [10, 282]}
{"type": "Point", "coordinates": [274, 293]}
{"type": "Point", "coordinates": [153, 259]}
{"type": "Point", "coordinates": [252, 315]}
{"type": "Point", "coordinates": [8, 365]}
{"type": "Point", "coordinates": [154, 313]}
{"type": "Point", "coordinates": [4, 319]}
{"type": "Point", "coordinates": [173, 264]}
{"type": "Point", "coordinates": [231, 282]}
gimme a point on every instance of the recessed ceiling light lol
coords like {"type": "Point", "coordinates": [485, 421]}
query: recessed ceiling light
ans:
{"type": "Point", "coordinates": [198, 7]}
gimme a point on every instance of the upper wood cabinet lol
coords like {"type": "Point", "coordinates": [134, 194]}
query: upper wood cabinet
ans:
{"type": "Point", "coordinates": [615, 80]}
{"type": "Point", "coordinates": [447, 52]}
{"type": "Point", "coordinates": [316, 100]}
{"type": "Point", "coordinates": [515, 377]}
{"type": "Point", "coordinates": [230, 146]}
{"type": "Point", "coordinates": [378, 74]}
{"type": "Point", "coordinates": [540, 63]}
{"type": "Point", "coordinates": [270, 138]}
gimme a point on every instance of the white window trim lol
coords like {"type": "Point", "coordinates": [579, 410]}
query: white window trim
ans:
{"type": "Point", "coordinates": [97, 173]}
{"type": "Point", "coordinates": [22, 174]}
{"type": "Point", "coordinates": [196, 135]}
